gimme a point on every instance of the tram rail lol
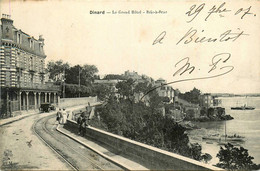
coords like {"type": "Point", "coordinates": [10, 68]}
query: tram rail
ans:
{"type": "Point", "coordinates": [40, 128]}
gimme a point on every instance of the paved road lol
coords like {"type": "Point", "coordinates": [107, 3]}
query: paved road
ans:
{"type": "Point", "coordinates": [21, 149]}
{"type": "Point", "coordinates": [78, 156]}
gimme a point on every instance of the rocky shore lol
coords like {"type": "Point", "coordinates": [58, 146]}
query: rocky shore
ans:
{"type": "Point", "coordinates": [213, 118]}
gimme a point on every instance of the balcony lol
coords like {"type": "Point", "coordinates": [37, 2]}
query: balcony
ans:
{"type": "Point", "coordinates": [49, 87]}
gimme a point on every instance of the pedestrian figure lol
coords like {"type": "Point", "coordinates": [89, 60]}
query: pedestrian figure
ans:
{"type": "Point", "coordinates": [68, 114]}
{"type": "Point", "coordinates": [58, 118]}
{"type": "Point", "coordinates": [64, 116]}
{"type": "Point", "coordinates": [79, 120]}
{"type": "Point", "coordinates": [73, 116]}
{"type": "Point", "coordinates": [88, 109]}
{"type": "Point", "coordinates": [83, 125]}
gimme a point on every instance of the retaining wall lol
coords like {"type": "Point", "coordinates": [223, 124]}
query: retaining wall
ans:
{"type": "Point", "coordinates": [148, 156]}
{"type": "Point", "coordinates": [69, 102]}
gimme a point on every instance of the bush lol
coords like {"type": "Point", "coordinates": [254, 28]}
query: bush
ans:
{"type": "Point", "coordinates": [145, 124]}
{"type": "Point", "coordinates": [234, 158]}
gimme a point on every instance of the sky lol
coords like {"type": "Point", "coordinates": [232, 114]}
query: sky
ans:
{"type": "Point", "coordinates": [119, 42]}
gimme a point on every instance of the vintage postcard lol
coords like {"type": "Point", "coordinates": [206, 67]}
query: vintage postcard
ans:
{"type": "Point", "coordinates": [130, 85]}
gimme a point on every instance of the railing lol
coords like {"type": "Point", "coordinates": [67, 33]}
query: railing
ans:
{"type": "Point", "coordinates": [41, 87]}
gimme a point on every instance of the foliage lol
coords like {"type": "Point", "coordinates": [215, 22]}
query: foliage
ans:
{"type": "Point", "coordinates": [145, 123]}
{"type": "Point", "coordinates": [125, 88]}
{"type": "Point", "coordinates": [74, 75]}
{"type": "Point", "coordinates": [102, 91]}
{"type": "Point", "coordinates": [85, 74]}
{"type": "Point", "coordinates": [56, 67]}
{"type": "Point", "coordinates": [191, 96]}
{"type": "Point", "coordinates": [74, 90]}
{"type": "Point", "coordinates": [142, 87]}
{"type": "Point", "coordinates": [190, 114]}
{"type": "Point", "coordinates": [206, 157]}
{"type": "Point", "coordinates": [114, 77]}
{"type": "Point", "coordinates": [234, 158]}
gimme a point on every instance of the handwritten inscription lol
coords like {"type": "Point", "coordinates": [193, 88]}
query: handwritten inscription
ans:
{"type": "Point", "coordinates": [159, 38]}
{"type": "Point", "coordinates": [221, 10]}
{"type": "Point", "coordinates": [217, 68]}
{"type": "Point", "coordinates": [217, 60]}
{"type": "Point", "coordinates": [220, 63]}
{"type": "Point", "coordinates": [192, 36]}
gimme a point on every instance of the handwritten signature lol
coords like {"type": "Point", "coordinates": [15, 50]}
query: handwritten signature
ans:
{"type": "Point", "coordinates": [217, 68]}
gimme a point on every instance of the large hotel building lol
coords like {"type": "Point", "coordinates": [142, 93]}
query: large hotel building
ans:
{"type": "Point", "coordinates": [23, 79]}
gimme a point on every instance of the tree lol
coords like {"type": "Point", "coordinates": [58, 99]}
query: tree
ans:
{"type": "Point", "coordinates": [142, 87]}
{"type": "Point", "coordinates": [73, 90]}
{"type": "Point", "coordinates": [112, 116]}
{"type": "Point", "coordinates": [125, 88]}
{"type": "Point", "coordinates": [88, 74]}
{"type": "Point", "coordinates": [234, 158]}
{"type": "Point", "coordinates": [102, 91]}
{"type": "Point", "coordinates": [85, 74]}
{"type": "Point", "coordinates": [206, 157]}
{"type": "Point", "coordinates": [114, 77]}
{"type": "Point", "coordinates": [191, 96]}
{"type": "Point", "coordinates": [144, 123]}
{"type": "Point", "coordinates": [56, 68]}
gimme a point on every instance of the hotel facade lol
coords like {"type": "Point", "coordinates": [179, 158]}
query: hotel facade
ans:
{"type": "Point", "coordinates": [23, 77]}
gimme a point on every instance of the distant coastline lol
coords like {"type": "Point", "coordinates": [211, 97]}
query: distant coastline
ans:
{"type": "Point", "coordinates": [236, 95]}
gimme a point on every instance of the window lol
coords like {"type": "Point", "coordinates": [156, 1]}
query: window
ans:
{"type": "Point", "coordinates": [40, 47]}
{"type": "Point", "coordinates": [31, 63]}
{"type": "Point", "coordinates": [31, 43]}
{"type": "Point", "coordinates": [31, 77]}
{"type": "Point", "coordinates": [41, 66]}
{"type": "Point", "coordinates": [19, 38]}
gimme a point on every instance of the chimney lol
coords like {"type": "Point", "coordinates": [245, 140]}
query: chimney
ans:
{"type": "Point", "coordinates": [7, 26]}
{"type": "Point", "coordinates": [41, 39]}
{"type": "Point", "coordinates": [6, 16]}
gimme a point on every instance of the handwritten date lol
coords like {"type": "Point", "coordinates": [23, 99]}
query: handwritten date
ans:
{"type": "Point", "coordinates": [195, 10]}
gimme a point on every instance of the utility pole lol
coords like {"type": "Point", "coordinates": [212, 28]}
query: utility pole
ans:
{"type": "Point", "coordinates": [79, 81]}
{"type": "Point", "coordinates": [63, 82]}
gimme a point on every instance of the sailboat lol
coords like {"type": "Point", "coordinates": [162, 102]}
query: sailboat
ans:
{"type": "Point", "coordinates": [222, 139]}
{"type": "Point", "coordinates": [231, 138]}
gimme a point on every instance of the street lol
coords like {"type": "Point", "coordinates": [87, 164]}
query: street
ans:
{"type": "Point", "coordinates": [22, 149]}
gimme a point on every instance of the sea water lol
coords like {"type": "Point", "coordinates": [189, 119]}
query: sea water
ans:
{"type": "Point", "coordinates": [245, 123]}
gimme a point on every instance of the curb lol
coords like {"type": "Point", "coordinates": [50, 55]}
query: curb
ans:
{"type": "Point", "coordinates": [97, 151]}
{"type": "Point", "coordinates": [7, 123]}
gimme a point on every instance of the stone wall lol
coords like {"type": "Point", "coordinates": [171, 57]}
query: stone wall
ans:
{"type": "Point", "coordinates": [148, 156]}
{"type": "Point", "coordinates": [69, 102]}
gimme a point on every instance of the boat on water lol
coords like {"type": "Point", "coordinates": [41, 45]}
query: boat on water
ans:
{"type": "Point", "coordinates": [219, 138]}
{"type": "Point", "coordinates": [225, 137]}
{"type": "Point", "coordinates": [243, 108]}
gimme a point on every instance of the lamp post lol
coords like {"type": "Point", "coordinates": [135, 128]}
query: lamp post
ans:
{"type": "Point", "coordinates": [79, 81]}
